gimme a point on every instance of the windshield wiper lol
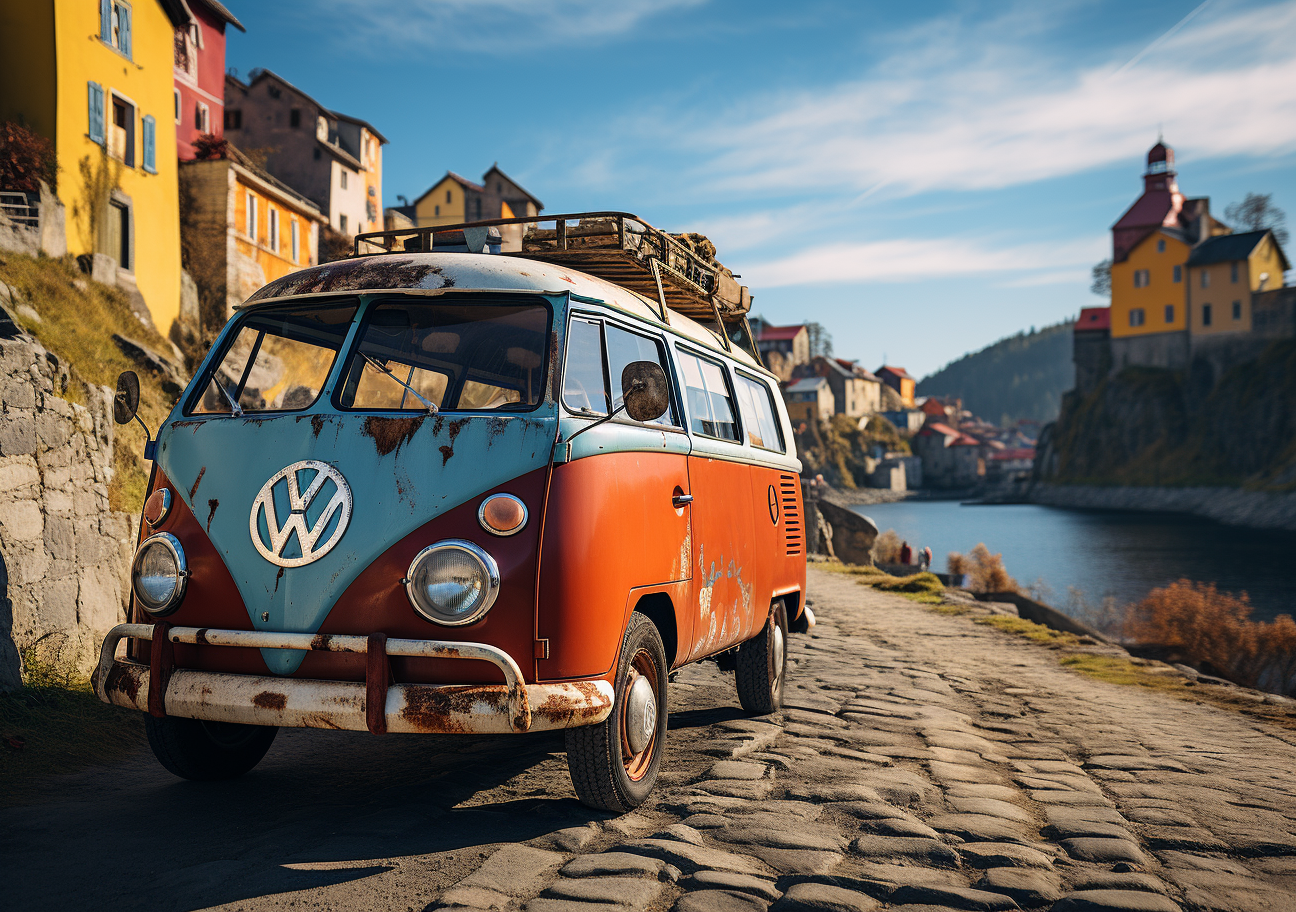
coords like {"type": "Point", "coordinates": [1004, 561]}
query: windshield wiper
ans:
{"type": "Point", "coordinates": [235, 409]}
{"type": "Point", "coordinates": [432, 409]}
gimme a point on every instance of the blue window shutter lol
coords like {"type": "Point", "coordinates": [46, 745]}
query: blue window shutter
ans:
{"type": "Point", "coordinates": [124, 28]}
{"type": "Point", "coordinates": [150, 144]}
{"type": "Point", "coordinates": [105, 21]}
{"type": "Point", "coordinates": [96, 112]}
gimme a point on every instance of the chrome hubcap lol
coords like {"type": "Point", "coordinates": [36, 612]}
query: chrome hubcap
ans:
{"type": "Point", "coordinates": [641, 714]}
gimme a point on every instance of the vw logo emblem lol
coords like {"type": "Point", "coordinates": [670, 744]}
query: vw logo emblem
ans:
{"type": "Point", "coordinates": [332, 519]}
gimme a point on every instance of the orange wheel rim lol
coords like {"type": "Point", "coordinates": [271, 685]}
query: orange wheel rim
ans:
{"type": "Point", "coordinates": [636, 765]}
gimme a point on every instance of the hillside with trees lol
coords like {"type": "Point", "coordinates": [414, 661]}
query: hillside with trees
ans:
{"type": "Point", "coordinates": [1022, 376]}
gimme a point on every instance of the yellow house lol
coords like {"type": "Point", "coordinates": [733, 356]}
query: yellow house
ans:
{"type": "Point", "coordinates": [454, 198]}
{"type": "Point", "coordinates": [245, 228]}
{"type": "Point", "coordinates": [1147, 287]}
{"type": "Point", "coordinates": [96, 78]}
{"type": "Point", "coordinates": [1223, 272]}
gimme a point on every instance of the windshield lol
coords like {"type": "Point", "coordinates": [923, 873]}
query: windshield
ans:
{"type": "Point", "coordinates": [277, 361]}
{"type": "Point", "coordinates": [456, 356]}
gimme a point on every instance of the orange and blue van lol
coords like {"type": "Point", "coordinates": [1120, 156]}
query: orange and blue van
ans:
{"type": "Point", "coordinates": [446, 487]}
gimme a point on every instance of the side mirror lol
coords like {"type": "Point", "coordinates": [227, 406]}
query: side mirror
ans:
{"type": "Point", "coordinates": [645, 390]}
{"type": "Point", "coordinates": [126, 402]}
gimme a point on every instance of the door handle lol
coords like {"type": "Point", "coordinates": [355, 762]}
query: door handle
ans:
{"type": "Point", "coordinates": [681, 500]}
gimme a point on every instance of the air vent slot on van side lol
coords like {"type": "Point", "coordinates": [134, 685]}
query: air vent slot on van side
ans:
{"type": "Point", "coordinates": [793, 531]}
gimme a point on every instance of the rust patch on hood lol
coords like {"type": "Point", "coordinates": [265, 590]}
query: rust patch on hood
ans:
{"type": "Point", "coordinates": [391, 434]}
{"type": "Point", "coordinates": [268, 699]}
{"type": "Point", "coordinates": [211, 511]}
{"type": "Point", "coordinates": [197, 482]}
{"type": "Point", "coordinates": [354, 275]}
{"type": "Point", "coordinates": [430, 709]}
{"type": "Point", "coordinates": [317, 424]}
{"type": "Point", "coordinates": [446, 453]}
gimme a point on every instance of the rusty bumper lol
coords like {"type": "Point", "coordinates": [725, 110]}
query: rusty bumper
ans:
{"type": "Point", "coordinates": [374, 705]}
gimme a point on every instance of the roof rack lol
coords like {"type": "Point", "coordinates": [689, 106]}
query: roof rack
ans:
{"type": "Point", "coordinates": [679, 271]}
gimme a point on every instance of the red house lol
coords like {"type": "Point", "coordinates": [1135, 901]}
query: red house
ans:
{"type": "Point", "coordinates": [200, 74]}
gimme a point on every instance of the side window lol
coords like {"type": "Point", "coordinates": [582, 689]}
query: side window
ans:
{"type": "Point", "coordinates": [625, 347]}
{"type": "Point", "coordinates": [759, 415]}
{"type": "Point", "coordinates": [711, 410]}
{"type": "Point", "coordinates": [584, 389]}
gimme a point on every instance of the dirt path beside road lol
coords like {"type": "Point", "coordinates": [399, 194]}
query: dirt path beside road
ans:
{"type": "Point", "coordinates": [922, 761]}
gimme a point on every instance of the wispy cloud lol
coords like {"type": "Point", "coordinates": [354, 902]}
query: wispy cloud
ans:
{"type": "Point", "coordinates": [999, 114]}
{"type": "Point", "coordinates": [494, 26]}
{"type": "Point", "coordinates": [923, 259]}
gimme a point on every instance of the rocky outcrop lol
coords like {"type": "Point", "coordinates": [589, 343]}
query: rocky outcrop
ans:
{"type": "Point", "coordinates": [64, 553]}
{"type": "Point", "coordinates": [1231, 506]}
{"type": "Point", "coordinates": [852, 533]}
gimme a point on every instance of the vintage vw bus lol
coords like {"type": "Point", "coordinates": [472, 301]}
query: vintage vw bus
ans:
{"type": "Point", "coordinates": [442, 489]}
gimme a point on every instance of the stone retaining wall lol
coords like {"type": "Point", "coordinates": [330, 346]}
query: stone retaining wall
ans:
{"type": "Point", "coordinates": [64, 554]}
{"type": "Point", "coordinates": [1231, 506]}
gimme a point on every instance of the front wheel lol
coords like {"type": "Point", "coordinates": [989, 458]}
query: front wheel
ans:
{"type": "Point", "coordinates": [207, 751]}
{"type": "Point", "coordinates": [762, 661]}
{"type": "Point", "coordinates": [613, 764]}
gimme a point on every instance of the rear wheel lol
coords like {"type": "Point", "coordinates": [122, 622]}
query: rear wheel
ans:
{"type": "Point", "coordinates": [614, 764]}
{"type": "Point", "coordinates": [762, 661]}
{"type": "Point", "coordinates": [206, 751]}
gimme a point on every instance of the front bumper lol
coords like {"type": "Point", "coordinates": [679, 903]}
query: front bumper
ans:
{"type": "Point", "coordinates": [375, 705]}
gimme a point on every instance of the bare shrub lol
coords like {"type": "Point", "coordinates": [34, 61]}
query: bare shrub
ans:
{"type": "Point", "coordinates": [886, 548]}
{"type": "Point", "coordinates": [1214, 631]}
{"type": "Point", "coordinates": [986, 569]}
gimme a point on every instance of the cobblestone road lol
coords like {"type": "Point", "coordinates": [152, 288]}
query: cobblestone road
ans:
{"type": "Point", "coordinates": [922, 763]}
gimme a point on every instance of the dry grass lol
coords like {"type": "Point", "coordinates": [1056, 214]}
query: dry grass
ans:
{"type": "Point", "coordinates": [1037, 633]}
{"type": "Point", "coordinates": [924, 588]}
{"type": "Point", "coordinates": [886, 547]}
{"type": "Point", "coordinates": [1213, 630]}
{"type": "Point", "coordinates": [1128, 672]}
{"type": "Point", "coordinates": [56, 725]}
{"type": "Point", "coordinates": [986, 569]}
{"type": "Point", "coordinates": [77, 325]}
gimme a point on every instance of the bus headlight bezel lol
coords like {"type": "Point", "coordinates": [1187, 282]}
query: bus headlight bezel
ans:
{"type": "Point", "coordinates": [487, 573]}
{"type": "Point", "coordinates": [172, 547]}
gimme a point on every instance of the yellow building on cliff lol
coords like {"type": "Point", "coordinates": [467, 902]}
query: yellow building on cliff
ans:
{"type": "Point", "coordinates": [96, 78]}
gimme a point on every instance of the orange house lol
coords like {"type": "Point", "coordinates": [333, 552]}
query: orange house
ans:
{"type": "Point", "coordinates": [899, 380]}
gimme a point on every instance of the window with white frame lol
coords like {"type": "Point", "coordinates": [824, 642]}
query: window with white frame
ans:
{"type": "Point", "coordinates": [250, 228]}
{"type": "Point", "coordinates": [344, 179]}
{"type": "Point", "coordinates": [294, 235]}
{"type": "Point", "coordinates": [115, 25]}
{"type": "Point", "coordinates": [202, 118]}
{"type": "Point", "coordinates": [342, 223]}
{"type": "Point", "coordinates": [1142, 278]}
{"type": "Point", "coordinates": [272, 216]}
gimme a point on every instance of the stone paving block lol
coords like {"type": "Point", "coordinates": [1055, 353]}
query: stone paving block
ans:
{"type": "Point", "coordinates": [870, 810]}
{"type": "Point", "coordinates": [705, 821]}
{"type": "Point", "coordinates": [991, 807]}
{"type": "Point", "coordinates": [1003, 855]}
{"type": "Point", "coordinates": [720, 901]}
{"type": "Point", "coordinates": [791, 835]}
{"type": "Point", "coordinates": [1194, 839]}
{"type": "Point", "coordinates": [737, 788]}
{"type": "Point", "coordinates": [1110, 880]}
{"type": "Point", "coordinates": [462, 897]}
{"type": "Point", "coordinates": [680, 833]}
{"type": "Point", "coordinates": [929, 851]}
{"type": "Point", "coordinates": [1063, 817]}
{"type": "Point", "coordinates": [1130, 763]}
{"type": "Point", "coordinates": [795, 861]}
{"type": "Point", "coordinates": [1069, 798]}
{"type": "Point", "coordinates": [736, 769]}
{"type": "Point", "coordinates": [569, 839]}
{"type": "Point", "coordinates": [1030, 888]}
{"type": "Point", "coordinates": [725, 880]}
{"type": "Point", "coordinates": [553, 904]}
{"type": "Point", "coordinates": [833, 793]}
{"type": "Point", "coordinates": [957, 897]}
{"type": "Point", "coordinates": [1114, 901]}
{"type": "Point", "coordinates": [614, 864]}
{"type": "Point", "coordinates": [690, 858]}
{"type": "Point", "coordinates": [893, 826]}
{"type": "Point", "coordinates": [983, 790]}
{"type": "Point", "coordinates": [628, 892]}
{"type": "Point", "coordinates": [1087, 828]}
{"type": "Point", "coordinates": [821, 897]}
{"type": "Point", "coordinates": [982, 828]}
{"type": "Point", "coordinates": [1103, 851]}
{"type": "Point", "coordinates": [958, 772]}
{"type": "Point", "coordinates": [517, 870]}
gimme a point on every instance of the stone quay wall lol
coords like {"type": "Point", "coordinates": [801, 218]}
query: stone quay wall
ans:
{"type": "Point", "coordinates": [1231, 506]}
{"type": "Point", "coordinates": [64, 553]}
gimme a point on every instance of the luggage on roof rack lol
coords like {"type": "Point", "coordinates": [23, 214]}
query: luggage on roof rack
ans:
{"type": "Point", "coordinates": [678, 270]}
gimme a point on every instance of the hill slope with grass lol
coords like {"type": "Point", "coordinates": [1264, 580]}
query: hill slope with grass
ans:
{"type": "Point", "coordinates": [1023, 376]}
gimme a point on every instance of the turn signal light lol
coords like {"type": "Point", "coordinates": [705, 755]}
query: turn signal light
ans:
{"type": "Point", "coordinates": [157, 507]}
{"type": "Point", "coordinates": [502, 514]}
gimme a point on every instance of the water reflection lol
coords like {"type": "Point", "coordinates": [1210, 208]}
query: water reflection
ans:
{"type": "Point", "coordinates": [1103, 553]}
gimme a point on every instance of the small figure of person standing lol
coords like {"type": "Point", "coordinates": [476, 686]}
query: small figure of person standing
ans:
{"type": "Point", "coordinates": [906, 553]}
{"type": "Point", "coordinates": [925, 559]}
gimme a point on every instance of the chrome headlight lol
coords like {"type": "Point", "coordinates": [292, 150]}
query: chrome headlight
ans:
{"type": "Point", "coordinates": [159, 574]}
{"type": "Point", "coordinates": [453, 582]}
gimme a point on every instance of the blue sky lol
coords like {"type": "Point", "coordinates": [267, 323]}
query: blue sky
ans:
{"type": "Point", "coordinates": [920, 178]}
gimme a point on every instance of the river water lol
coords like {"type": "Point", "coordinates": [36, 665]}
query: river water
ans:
{"type": "Point", "coordinates": [1102, 553]}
